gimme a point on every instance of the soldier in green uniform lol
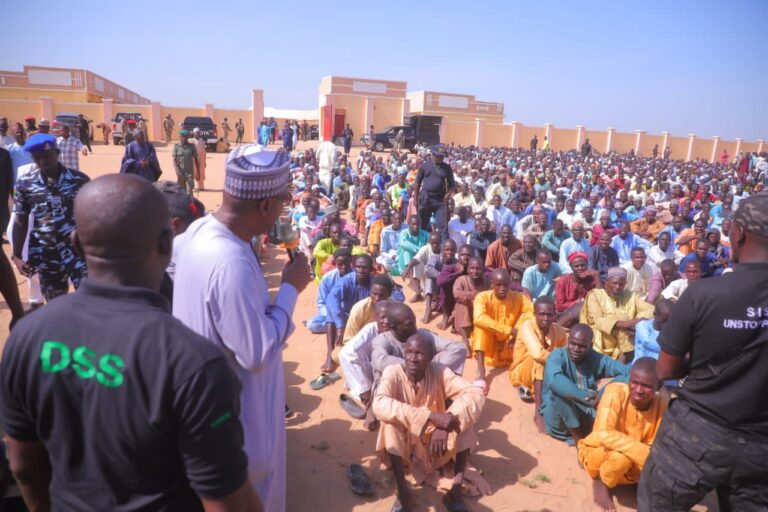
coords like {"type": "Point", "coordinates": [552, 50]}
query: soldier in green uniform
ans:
{"type": "Point", "coordinates": [185, 162]}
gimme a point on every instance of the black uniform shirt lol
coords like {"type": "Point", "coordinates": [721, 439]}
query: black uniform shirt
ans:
{"type": "Point", "coordinates": [434, 180]}
{"type": "Point", "coordinates": [714, 320]}
{"type": "Point", "coordinates": [135, 409]}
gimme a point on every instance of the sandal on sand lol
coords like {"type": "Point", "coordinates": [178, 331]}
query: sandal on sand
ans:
{"type": "Point", "coordinates": [361, 484]}
{"type": "Point", "coordinates": [351, 407]}
{"type": "Point", "coordinates": [324, 380]}
{"type": "Point", "coordinates": [525, 394]}
{"type": "Point", "coordinates": [451, 506]}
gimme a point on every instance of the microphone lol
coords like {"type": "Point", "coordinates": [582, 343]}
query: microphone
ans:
{"type": "Point", "coordinates": [288, 240]}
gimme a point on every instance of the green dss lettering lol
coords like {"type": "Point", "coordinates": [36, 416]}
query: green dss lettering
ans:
{"type": "Point", "coordinates": [56, 356]}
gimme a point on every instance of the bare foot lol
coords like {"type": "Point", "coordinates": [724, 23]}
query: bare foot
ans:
{"type": "Point", "coordinates": [328, 367]}
{"type": "Point", "coordinates": [427, 317]}
{"type": "Point", "coordinates": [370, 422]}
{"type": "Point", "coordinates": [602, 496]}
{"type": "Point", "coordinates": [443, 323]}
{"type": "Point", "coordinates": [539, 421]}
{"type": "Point", "coordinates": [416, 298]}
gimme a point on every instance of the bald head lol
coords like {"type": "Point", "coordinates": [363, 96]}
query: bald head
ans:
{"type": "Point", "coordinates": [398, 312]}
{"type": "Point", "coordinates": [123, 222]}
{"type": "Point", "coordinates": [645, 365]}
{"type": "Point", "coordinates": [500, 274]}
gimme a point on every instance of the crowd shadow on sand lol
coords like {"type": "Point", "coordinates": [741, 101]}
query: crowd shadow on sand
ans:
{"type": "Point", "coordinates": [301, 404]}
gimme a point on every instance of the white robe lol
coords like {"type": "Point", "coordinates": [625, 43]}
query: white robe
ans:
{"type": "Point", "coordinates": [355, 360]}
{"type": "Point", "coordinates": [220, 293]}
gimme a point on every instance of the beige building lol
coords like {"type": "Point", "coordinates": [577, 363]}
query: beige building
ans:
{"type": "Point", "coordinates": [455, 107]}
{"type": "Point", "coordinates": [64, 84]}
{"type": "Point", "coordinates": [361, 103]}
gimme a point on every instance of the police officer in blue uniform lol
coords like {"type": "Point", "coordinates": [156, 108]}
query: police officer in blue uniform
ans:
{"type": "Point", "coordinates": [47, 194]}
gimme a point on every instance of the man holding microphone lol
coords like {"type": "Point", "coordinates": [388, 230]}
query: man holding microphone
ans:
{"type": "Point", "coordinates": [220, 292]}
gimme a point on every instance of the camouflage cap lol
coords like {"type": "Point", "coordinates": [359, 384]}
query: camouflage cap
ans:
{"type": "Point", "coordinates": [752, 214]}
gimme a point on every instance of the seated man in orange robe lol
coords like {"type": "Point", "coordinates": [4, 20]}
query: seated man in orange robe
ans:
{"type": "Point", "coordinates": [537, 338]}
{"type": "Point", "coordinates": [628, 417]}
{"type": "Point", "coordinates": [498, 313]}
{"type": "Point", "coordinates": [420, 433]}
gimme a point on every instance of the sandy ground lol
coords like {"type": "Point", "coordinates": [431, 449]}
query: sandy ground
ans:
{"type": "Point", "coordinates": [527, 471]}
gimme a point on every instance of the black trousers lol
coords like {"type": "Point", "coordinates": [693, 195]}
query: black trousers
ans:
{"type": "Point", "coordinates": [692, 456]}
{"type": "Point", "coordinates": [426, 208]}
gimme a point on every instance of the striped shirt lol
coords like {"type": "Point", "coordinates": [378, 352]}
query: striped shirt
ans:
{"type": "Point", "coordinates": [68, 152]}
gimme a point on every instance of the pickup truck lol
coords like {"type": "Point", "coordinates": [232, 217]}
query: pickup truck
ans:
{"type": "Point", "coordinates": [117, 130]}
{"type": "Point", "coordinates": [209, 132]}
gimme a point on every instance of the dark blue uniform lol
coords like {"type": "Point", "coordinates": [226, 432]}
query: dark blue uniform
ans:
{"type": "Point", "coordinates": [434, 181]}
{"type": "Point", "coordinates": [50, 207]}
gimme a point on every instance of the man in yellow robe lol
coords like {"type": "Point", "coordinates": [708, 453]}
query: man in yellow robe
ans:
{"type": "Point", "coordinates": [497, 313]}
{"type": "Point", "coordinates": [612, 313]}
{"type": "Point", "coordinates": [363, 311]}
{"type": "Point", "coordinates": [418, 432]}
{"type": "Point", "coordinates": [536, 339]}
{"type": "Point", "coordinates": [628, 417]}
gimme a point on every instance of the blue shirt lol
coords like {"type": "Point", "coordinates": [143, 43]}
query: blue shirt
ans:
{"type": "Point", "coordinates": [327, 283]}
{"type": "Point", "coordinates": [541, 284]}
{"type": "Point", "coordinates": [672, 232]}
{"type": "Point", "coordinates": [624, 246]}
{"type": "Point", "coordinates": [707, 266]}
{"type": "Point", "coordinates": [345, 293]}
{"type": "Point", "coordinates": [380, 182]}
{"type": "Point", "coordinates": [646, 340]}
{"type": "Point", "coordinates": [390, 239]}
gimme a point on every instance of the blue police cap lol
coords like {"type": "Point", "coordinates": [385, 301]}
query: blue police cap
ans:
{"type": "Point", "coordinates": [40, 142]}
{"type": "Point", "coordinates": [439, 150]}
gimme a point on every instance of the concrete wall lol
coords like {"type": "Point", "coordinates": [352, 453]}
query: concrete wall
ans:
{"type": "Point", "coordinates": [702, 150]}
{"type": "Point", "coordinates": [623, 142]}
{"type": "Point", "coordinates": [386, 112]}
{"type": "Point", "coordinates": [355, 113]}
{"type": "Point", "coordinates": [527, 133]}
{"type": "Point", "coordinates": [461, 133]}
{"type": "Point", "coordinates": [647, 143]}
{"type": "Point", "coordinates": [497, 135]}
{"type": "Point", "coordinates": [17, 110]}
{"type": "Point", "coordinates": [678, 146]}
{"type": "Point", "coordinates": [598, 139]}
{"type": "Point", "coordinates": [563, 139]}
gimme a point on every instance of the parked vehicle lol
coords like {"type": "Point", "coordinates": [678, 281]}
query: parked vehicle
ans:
{"type": "Point", "coordinates": [208, 130]}
{"type": "Point", "coordinates": [66, 119]}
{"type": "Point", "coordinates": [117, 129]}
{"type": "Point", "coordinates": [416, 129]}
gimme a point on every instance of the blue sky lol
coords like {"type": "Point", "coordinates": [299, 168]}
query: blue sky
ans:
{"type": "Point", "coordinates": [680, 66]}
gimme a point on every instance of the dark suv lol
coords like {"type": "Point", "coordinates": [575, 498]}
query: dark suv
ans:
{"type": "Point", "coordinates": [386, 139]}
{"type": "Point", "coordinates": [208, 130]}
{"type": "Point", "coordinates": [66, 119]}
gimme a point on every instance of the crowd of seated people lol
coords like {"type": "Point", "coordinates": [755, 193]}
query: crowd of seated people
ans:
{"type": "Point", "coordinates": [559, 267]}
